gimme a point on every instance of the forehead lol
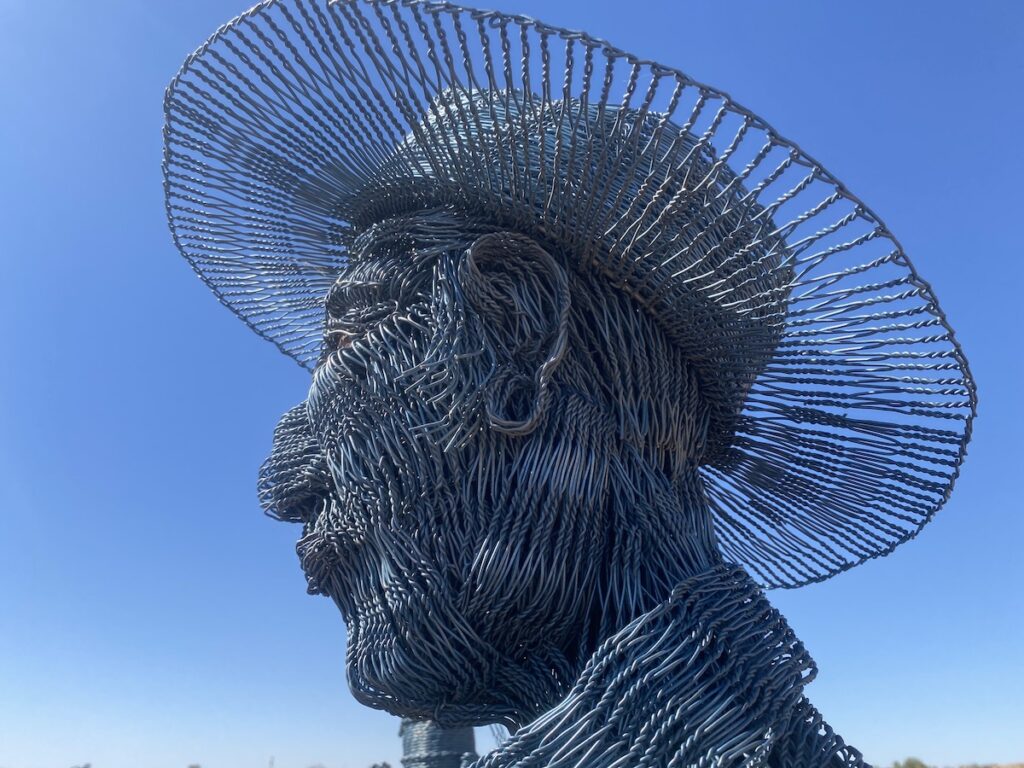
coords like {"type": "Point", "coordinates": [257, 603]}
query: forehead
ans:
{"type": "Point", "coordinates": [395, 258]}
{"type": "Point", "coordinates": [393, 248]}
{"type": "Point", "coordinates": [378, 267]}
{"type": "Point", "coordinates": [381, 274]}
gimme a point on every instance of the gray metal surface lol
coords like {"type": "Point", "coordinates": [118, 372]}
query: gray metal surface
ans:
{"type": "Point", "coordinates": [590, 344]}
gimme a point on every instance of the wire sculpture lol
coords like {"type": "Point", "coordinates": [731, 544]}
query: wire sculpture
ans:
{"type": "Point", "coordinates": [590, 343]}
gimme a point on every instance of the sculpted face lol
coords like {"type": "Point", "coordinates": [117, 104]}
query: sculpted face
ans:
{"type": "Point", "coordinates": [489, 470]}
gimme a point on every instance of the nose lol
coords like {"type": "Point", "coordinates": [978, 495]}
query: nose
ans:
{"type": "Point", "coordinates": [295, 477]}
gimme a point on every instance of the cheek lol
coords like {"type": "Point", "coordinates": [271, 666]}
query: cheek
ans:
{"type": "Point", "coordinates": [378, 434]}
{"type": "Point", "coordinates": [411, 386]}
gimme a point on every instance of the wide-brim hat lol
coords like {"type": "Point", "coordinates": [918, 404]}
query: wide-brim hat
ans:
{"type": "Point", "coordinates": [841, 403]}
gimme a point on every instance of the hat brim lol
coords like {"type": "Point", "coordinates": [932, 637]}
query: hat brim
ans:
{"type": "Point", "coordinates": [844, 401]}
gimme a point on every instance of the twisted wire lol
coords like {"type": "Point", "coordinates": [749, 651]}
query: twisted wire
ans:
{"type": "Point", "coordinates": [632, 707]}
{"type": "Point", "coordinates": [454, 454]}
{"type": "Point", "coordinates": [588, 340]}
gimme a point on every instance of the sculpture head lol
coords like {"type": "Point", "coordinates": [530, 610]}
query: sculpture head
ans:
{"type": "Point", "coordinates": [496, 466]}
{"type": "Point", "coordinates": [578, 326]}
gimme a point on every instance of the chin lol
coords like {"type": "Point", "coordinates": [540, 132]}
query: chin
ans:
{"type": "Point", "coordinates": [413, 664]}
{"type": "Point", "coordinates": [401, 672]}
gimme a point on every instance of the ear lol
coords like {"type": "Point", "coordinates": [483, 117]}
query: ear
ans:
{"type": "Point", "coordinates": [520, 296]}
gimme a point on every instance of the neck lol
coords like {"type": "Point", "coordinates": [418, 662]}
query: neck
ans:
{"type": "Point", "coordinates": [662, 536]}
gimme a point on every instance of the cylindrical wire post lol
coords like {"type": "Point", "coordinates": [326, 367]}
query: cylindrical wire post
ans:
{"type": "Point", "coordinates": [425, 744]}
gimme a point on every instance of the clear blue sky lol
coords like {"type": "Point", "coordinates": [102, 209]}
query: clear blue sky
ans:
{"type": "Point", "coordinates": [151, 616]}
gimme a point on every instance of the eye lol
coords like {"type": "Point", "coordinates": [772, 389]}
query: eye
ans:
{"type": "Point", "coordinates": [338, 338]}
{"type": "Point", "coordinates": [373, 292]}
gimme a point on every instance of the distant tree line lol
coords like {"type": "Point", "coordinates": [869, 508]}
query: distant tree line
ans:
{"type": "Point", "coordinates": [913, 762]}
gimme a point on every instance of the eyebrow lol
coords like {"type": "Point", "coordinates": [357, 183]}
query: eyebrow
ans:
{"type": "Point", "coordinates": [355, 283]}
{"type": "Point", "coordinates": [339, 292]}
